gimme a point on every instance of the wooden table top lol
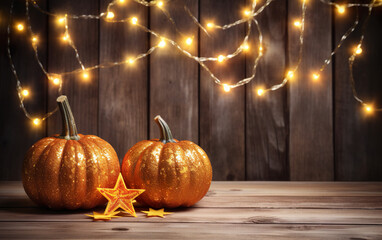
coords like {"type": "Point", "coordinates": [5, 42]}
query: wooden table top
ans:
{"type": "Point", "coordinates": [230, 210]}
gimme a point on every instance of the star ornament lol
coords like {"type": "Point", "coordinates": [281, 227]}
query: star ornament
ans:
{"type": "Point", "coordinates": [156, 213]}
{"type": "Point", "coordinates": [120, 197]}
{"type": "Point", "coordinates": [101, 216]}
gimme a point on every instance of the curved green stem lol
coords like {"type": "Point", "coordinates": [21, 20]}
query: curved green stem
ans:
{"type": "Point", "coordinates": [69, 129]}
{"type": "Point", "coordinates": [165, 132]}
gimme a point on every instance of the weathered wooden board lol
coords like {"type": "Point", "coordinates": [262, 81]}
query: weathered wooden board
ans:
{"type": "Point", "coordinates": [266, 117]}
{"type": "Point", "coordinates": [118, 230]}
{"type": "Point", "coordinates": [82, 94]}
{"type": "Point", "coordinates": [358, 142]}
{"type": "Point", "coordinates": [310, 102]}
{"type": "Point", "coordinates": [222, 115]}
{"type": "Point", "coordinates": [123, 89]}
{"type": "Point", "coordinates": [174, 86]}
{"type": "Point", "coordinates": [17, 133]}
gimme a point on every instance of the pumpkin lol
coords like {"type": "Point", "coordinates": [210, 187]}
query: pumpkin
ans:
{"type": "Point", "coordinates": [64, 171]}
{"type": "Point", "coordinates": [173, 173]}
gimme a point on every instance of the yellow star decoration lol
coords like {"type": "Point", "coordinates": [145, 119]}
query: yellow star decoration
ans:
{"type": "Point", "coordinates": [101, 216]}
{"type": "Point", "coordinates": [120, 197]}
{"type": "Point", "coordinates": [156, 213]}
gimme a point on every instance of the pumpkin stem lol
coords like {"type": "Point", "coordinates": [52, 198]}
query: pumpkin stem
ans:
{"type": "Point", "coordinates": [69, 129]}
{"type": "Point", "coordinates": [165, 132]}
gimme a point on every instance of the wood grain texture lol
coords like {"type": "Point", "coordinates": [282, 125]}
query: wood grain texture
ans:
{"type": "Point", "coordinates": [82, 94]}
{"type": "Point", "coordinates": [358, 143]}
{"type": "Point", "coordinates": [118, 230]}
{"type": "Point", "coordinates": [173, 77]}
{"type": "Point", "coordinates": [17, 133]}
{"type": "Point", "coordinates": [231, 210]}
{"type": "Point", "coordinates": [266, 116]}
{"type": "Point", "coordinates": [222, 116]}
{"type": "Point", "coordinates": [123, 89]}
{"type": "Point", "coordinates": [310, 102]}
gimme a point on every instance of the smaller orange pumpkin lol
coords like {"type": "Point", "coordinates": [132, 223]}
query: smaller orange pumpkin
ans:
{"type": "Point", "coordinates": [64, 171]}
{"type": "Point", "coordinates": [173, 173]}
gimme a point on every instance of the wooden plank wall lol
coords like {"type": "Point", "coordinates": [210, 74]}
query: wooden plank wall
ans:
{"type": "Point", "coordinates": [305, 131]}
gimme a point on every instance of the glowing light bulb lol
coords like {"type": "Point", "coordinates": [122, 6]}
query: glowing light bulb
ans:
{"type": "Point", "coordinates": [160, 4]}
{"type": "Point", "coordinates": [85, 75]}
{"type": "Point", "coordinates": [358, 50]}
{"type": "Point", "coordinates": [134, 20]}
{"type": "Point", "coordinates": [210, 25]}
{"type": "Point", "coordinates": [34, 39]}
{"type": "Point", "coordinates": [130, 60]}
{"type": "Point", "coordinates": [247, 12]}
{"type": "Point", "coordinates": [290, 74]}
{"type": "Point", "coordinates": [341, 9]}
{"type": "Point", "coordinates": [226, 88]}
{"type": "Point", "coordinates": [221, 58]}
{"type": "Point", "coordinates": [245, 47]}
{"type": "Point", "coordinates": [20, 27]}
{"type": "Point", "coordinates": [25, 93]}
{"type": "Point", "coordinates": [260, 49]}
{"type": "Point", "coordinates": [162, 44]}
{"type": "Point", "coordinates": [315, 76]}
{"type": "Point", "coordinates": [260, 91]}
{"type": "Point", "coordinates": [110, 15]}
{"type": "Point", "coordinates": [369, 109]}
{"type": "Point", "coordinates": [65, 37]}
{"type": "Point", "coordinates": [297, 23]}
{"type": "Point", "coordinates": [56, 81]}
{"type": "Point", "coordinates": [189, 41]}
{"type": "Point", "coordinates": [121, 1]}
{"type": "Point", "coordinates": [61, 20]}
{"type": "Point", "coordinates": [36, 121]}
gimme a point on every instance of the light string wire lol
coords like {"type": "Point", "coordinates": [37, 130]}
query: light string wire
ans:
{"type": "Point", "coordinates": [250, 16]}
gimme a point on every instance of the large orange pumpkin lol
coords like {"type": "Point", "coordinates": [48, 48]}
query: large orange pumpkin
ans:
{"type": "Point", "coordinates": [173, 173]}
{"type": "Point", "coordinates": [64, 171]}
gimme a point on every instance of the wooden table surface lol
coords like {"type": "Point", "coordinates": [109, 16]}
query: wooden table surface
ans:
{"type": "Point", "coordinates": [230, 210]}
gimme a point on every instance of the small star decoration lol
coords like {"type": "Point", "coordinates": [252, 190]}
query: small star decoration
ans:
{"type": "Point", "coordinates": [101, 216]}
{"type": "Point", "coordinates": [156, 213]}
{"type": "Point", "coordinates": [120, 197]}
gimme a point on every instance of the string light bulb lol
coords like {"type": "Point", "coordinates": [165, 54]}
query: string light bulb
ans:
{"type": "Point", "coordinates": [162, 44]}
{"type": "Point", "coordinates": [221, 58]}
{"type": "Point", "coordinates": [25, 92]}
{"type": "Point", "coordinates": [121, 1]}
{"type": "Point", "coordinates": [61, 20]}
{"type": "Point", "coordinates": [34, 40]}
{"type": "Point", "coordinates": [110, 15]}
{"type": "Point", "coordinates": [297, 23]}
{"type": "Point", "coordinates": [358, 50]}
{"type": "Point", "coordinates": [260, 91]}
{"type": "Point", "coordinates": [315, 76]}
{"type": "Point", "coordinates": [65, 38]}
{"type": "Point", "coordinates": [341, 9]}
{"type": "Point", "coordinates": [160, 4]}
{"type": "Point", "coordinates": [36, 121]}
{"type": "Point", "coordinates": [246, 12]}
{"type": "Point", "coordinates": [226, 88]}
{"type": "Point", "coordinates": [189, 41]}
{"type": "Point", "coordinates": [368, 109]}
{"type": "Point", "coordinates": [210, 25]}
{"type": "Point", "coordinates": [130, 60]}
{"type": "Point", "coordinates": [85, 75]}
{"type": "Point", "coordinates": [245, 47]}
{"type": "Point", "coordinates": [20, 27]}
{"type": "Point", "coordinates": [290, 74]}
{"type": "Point", "coordinates": [134, 20]}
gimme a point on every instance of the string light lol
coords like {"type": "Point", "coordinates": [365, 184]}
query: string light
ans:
{"type": "Point", "coordinates": [25, 92]}
{"type": "Point", "coordinates": [110, 15]}
{"type": "Point", "coordinates": [315, 76]}
{"type": "Point", "coordinates": [160, 4]}
{"type": "Point", "coordinates": [297, 23]}
{"type": "Point", "coordinates": [134, 20]}
{"type": "Point", "coordinates": [85, 75]}
{"type": "Point", "coordinates": [243, 47]}
{"type": "Point", "coordinates": [260, 91]}
{"type": "Point", "coordinates": [226, 88]}
{"type": "Point", "coordinates": [221, 58]}
{"type": "Point", "coordinates": [20, 27]}
{"type": "Point", "coordinates": [341, 9]}
{"type": "Point", "coordinates": [36, 121]}
{"type": "Point", "coordinates": [368, 109]}
{"type": "Point", "coordinates": [189, 41]}
{"type": "Point", "coordinates": [130, 60]}
{"type": "Point", "coordinates": [162, 44]}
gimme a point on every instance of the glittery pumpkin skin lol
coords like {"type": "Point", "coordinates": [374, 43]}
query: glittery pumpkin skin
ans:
{"type": "Point", "coordinates": [173, 174]}
{"type": "Point", "coordinates": [60, 173]}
